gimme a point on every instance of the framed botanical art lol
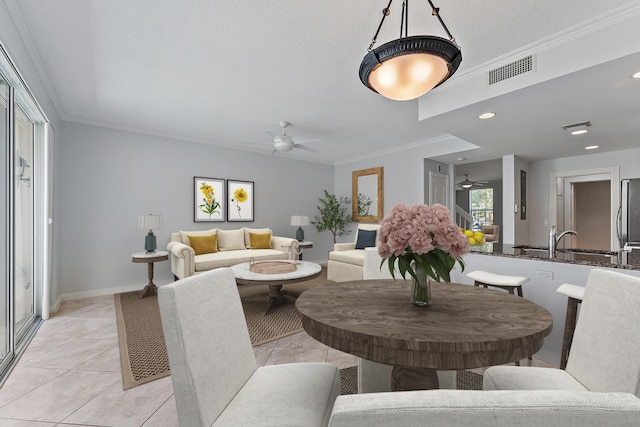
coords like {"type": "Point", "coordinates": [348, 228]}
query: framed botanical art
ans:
{"type": "Point", "coordinates": [209, 199]}
{"type": "Point", "coordinates": [240, 200]}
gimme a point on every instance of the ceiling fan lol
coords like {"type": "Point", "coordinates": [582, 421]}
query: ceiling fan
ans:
{"type": "Point", "coordinates": [283, 142]}
{"type": "Point", "coordinates": [467, 183]}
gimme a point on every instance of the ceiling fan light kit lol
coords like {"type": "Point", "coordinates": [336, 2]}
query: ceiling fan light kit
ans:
{"type": "Point", "coordinates": [283, 142]}
{"type": "Point", "coordinates": [410, 66]}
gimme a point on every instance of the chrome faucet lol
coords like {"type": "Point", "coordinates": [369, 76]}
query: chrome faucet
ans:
{"type": "Point", "coordinates": [553, 239]}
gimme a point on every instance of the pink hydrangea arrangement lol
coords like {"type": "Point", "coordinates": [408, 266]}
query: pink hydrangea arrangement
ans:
{"type": "Point", "coordinates": [425, 235]}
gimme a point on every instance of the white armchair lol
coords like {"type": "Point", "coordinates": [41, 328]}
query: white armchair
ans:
{"type": "Point", "coordinates": [605, 348]}
{"type": "Point", "coordinates": [346, 261]}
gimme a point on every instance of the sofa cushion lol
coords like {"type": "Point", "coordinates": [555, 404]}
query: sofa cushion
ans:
{"type": "Point", "coordinates": [366, 239]}
{"type": "Point", "coordinates": [185, 234]}
{"type": "Point", "coordinates": [204, 244]}
{"type": "Point", "coordinates": [247, 240]}
{"type": "Point", "coordinates": [230, 240]}
{"type": "Point", "coordinates": [354, 256]}
{"type": "Point", "coordinates": [206, 262]}
{"type": "Point", "coordinates": [260, 240]}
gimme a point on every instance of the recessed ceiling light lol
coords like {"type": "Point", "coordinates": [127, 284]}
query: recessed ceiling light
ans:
{"type": "Point", "coordinates": [636, 75]}
{"type": "Point", "coordinates": [577, 128]}
{"type": "Point", "coordinates": [591, 147]}
{"type": "Point", "coordinates": [462, 159]}
{"type": "Point", "coordinates": [484, 116]}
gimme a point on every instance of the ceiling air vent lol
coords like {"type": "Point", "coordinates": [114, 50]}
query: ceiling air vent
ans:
{"type": "Point", "coordinates": [513, 69]}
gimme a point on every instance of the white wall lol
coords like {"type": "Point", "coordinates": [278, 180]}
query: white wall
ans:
{"type": "Point", "coordinates": [538, 186]}
{"type": "Point", "coordinates": [108, 177]}
{"type": "Point", "coordinates": [404, 174]}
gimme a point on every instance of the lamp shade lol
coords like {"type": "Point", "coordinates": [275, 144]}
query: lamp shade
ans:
{"type": "Point", "coordinates": [150, 222]}
{"type": "Point", "coordinates": [299, 220]}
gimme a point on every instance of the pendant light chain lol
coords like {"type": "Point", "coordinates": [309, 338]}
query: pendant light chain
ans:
{"type": "Point", "coordinates": [435, 11]}
{"type": "Point", "coordinates": [386, 11]}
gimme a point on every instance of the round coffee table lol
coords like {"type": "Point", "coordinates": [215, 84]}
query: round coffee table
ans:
{"type": "Point", "coordinates": [305, 270]}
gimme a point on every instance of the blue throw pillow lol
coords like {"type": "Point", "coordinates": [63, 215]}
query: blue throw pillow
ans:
{"type": "Point", "coordinates": [366, 239]}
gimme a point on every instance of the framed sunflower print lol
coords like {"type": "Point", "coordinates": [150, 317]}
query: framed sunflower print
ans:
{"type": "Point", "coordinates": [209, 199]}
{"type": "Point", "coordinates": [239, 201]}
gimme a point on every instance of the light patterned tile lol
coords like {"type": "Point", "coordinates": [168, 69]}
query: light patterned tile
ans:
{"type": "Point", "coordinates": [44, 343]}
{"type": "Point", "coordinates": [107, 361]}
{"type": "Point", "coordinates": [60, 397]}
{"type": "Point", "coordinates": [300, 340]}
{"type": "Point", "coordinates": [341, 359]}
{"type": "Point", "coordinates": [6, 422]}
{"type": "Point", "coordinates": [262, 354]}
{"type": "Point", "coordinates": [70, 355]}
{"type": "Point", "coordinates": [166, 416]}
{"type": "Point", "coordinates": [128, 408]}
{"type": "Point", "coordinates": [23, 380]}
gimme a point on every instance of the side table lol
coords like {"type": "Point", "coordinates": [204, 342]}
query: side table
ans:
{"type": "Point", "coordinates": [305, 244]}
{"type": "Point", "coordinates": [149, 259]}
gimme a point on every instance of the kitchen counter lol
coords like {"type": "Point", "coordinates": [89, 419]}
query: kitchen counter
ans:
{"type": "Point", "coordinates": [629, 260]}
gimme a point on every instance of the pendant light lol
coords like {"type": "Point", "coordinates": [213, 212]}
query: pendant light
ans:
{"type": "Point", "coordinates": [409, 67]}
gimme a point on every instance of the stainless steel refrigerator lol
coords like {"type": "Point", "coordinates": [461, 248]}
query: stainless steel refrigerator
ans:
{"type": "Point", "coordinates": [629, 213]}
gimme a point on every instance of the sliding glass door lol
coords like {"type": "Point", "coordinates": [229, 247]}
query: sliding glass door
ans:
{"type": "Point", "coordinates": [4, 271]}
{"type": "Point", "coordinates": [22, 214]}
{"type": "Point", "coordinates": [23, 225]}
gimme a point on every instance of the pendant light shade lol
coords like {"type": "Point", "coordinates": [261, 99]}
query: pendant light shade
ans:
{"type": "Point", "coordinates": [409, 67]}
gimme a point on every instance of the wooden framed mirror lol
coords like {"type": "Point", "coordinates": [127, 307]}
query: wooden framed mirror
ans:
{"type": "Point", "coordinates": [367, 194]}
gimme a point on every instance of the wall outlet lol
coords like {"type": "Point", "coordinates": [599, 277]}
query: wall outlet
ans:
{"type": "Point", "coordinates": [546, 222]}
{"type": "Point", "coordinates": [547, 275]}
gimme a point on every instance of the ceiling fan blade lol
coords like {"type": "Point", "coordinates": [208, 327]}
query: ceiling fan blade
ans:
{"type": "Point", "coordinates": [271, 133]}
{"type": "Point", "coordinates": [302, 147]}
{"type": "Point", "coordinates": [304, 141]}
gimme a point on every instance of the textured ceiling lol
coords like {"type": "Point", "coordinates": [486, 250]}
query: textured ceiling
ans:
{"type": "Point", "coordinates": [223, 72]}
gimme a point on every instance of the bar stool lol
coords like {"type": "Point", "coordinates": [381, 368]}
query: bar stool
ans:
{"type": "Point", "coordinates": [575, 294]}
{"type": "Point", "coordinates": [508, 283]}
{"type": "Point", "coordinates": [511, 284]}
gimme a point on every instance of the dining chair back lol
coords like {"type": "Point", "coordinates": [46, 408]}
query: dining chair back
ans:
{"type": "Point", "coordinates": [605, 347]}
{"type": "Point", "coordinates": [214, 372]}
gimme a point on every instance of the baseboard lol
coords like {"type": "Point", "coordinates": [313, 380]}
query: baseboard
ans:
{"type": "Point", "coordinates": [99, 292]}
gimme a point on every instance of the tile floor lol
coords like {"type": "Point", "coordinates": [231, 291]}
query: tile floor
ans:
{"type": "Point", "coordinates": [70, 373]}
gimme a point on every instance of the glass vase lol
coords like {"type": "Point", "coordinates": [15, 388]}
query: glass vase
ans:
{"type": "Point", "coordinates": [421, 288]}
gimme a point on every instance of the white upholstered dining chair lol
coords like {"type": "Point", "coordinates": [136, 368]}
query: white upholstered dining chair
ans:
{"type": "Point", "coordinates": [215, 377]}
{"type": "Point", "coordinates": [605, 348]}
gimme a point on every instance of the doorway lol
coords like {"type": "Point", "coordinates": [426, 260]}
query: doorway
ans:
{"type": "Point", "coordinates": [590, 214]}
{"type": "Point", "coordinates": [588, 200]}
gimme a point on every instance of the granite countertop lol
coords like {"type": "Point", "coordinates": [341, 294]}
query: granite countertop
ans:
{"type": "Point", "coordinates": [625, 260]}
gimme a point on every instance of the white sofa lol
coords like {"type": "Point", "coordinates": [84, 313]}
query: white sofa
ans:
{"type": "Point", "coordinates": [232, 247]}
{"type": "Point", "coordinates": [345, 261]}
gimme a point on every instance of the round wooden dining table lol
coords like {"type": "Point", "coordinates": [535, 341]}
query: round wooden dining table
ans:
{"type": "Point", "coordinates": [465, 327]}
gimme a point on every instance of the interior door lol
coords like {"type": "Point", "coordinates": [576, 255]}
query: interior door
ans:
{"type": "Point", "coordinates": [438, 189]}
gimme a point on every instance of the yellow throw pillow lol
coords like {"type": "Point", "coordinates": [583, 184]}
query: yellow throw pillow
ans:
{"type": "Point", "coordinates": [204, 244]}
{"type": "Point", "coordinates": [260, 240]}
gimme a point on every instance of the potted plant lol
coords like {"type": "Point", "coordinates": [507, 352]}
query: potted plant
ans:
{"type": "Point", "coordinates": [334, 215]}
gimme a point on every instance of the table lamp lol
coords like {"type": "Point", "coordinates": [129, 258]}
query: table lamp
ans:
{"type": "Point", "coordinates": [299, 220]}
{"type": "Point", "coordinates": [150, 222]}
